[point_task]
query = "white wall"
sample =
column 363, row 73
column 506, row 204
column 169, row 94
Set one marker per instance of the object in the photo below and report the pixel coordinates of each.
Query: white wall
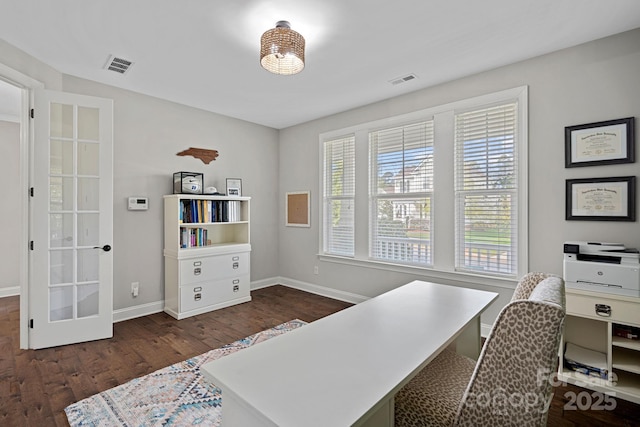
column 588, row 83
column 593, row 82
column 10, row 222
column 148, row 132
column 16, row 60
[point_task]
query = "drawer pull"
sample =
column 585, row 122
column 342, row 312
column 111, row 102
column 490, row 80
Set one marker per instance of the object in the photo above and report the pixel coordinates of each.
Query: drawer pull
column 236, row 288
column 197, row 263
column 236, row 265
column 235, row 258
column 197, row 297
column 236, row 281
column 603, row 310
column 198, row 289
column 197, row 271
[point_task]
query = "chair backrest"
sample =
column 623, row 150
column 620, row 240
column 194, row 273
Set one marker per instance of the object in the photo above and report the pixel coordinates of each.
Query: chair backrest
column 511, row 384
column 528, row 284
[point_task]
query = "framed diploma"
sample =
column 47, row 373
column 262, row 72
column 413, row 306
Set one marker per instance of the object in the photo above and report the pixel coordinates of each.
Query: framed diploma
column 601, row 199
column 601, row 143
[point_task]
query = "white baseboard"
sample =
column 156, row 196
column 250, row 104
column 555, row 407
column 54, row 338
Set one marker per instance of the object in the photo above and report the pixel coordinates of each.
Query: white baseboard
column 123, row 314
column 9, row 291
column 265, row 283
column 137, row 311
column 311, row 288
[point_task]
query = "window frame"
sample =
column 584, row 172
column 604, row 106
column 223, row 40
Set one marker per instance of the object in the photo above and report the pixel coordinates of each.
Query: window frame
column 327, row 199
column 461, row 194
column 404, row 247
column 443, row 224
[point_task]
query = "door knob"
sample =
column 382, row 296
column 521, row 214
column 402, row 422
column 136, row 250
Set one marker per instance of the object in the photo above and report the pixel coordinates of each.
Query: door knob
column 105, row 248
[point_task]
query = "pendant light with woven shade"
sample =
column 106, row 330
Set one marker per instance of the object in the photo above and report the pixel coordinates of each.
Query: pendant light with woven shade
column 282, row 50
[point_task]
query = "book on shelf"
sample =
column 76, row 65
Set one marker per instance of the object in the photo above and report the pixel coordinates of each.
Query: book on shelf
column 193, row 237
column 195, row 211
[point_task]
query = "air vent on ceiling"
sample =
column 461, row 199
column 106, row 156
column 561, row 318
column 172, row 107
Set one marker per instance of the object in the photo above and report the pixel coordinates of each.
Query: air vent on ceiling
column 403, row 79
column 119, row 65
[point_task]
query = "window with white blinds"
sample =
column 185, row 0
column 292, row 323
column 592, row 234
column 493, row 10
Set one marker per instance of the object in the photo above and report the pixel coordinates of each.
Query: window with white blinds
column 401, row 193
column 486, row 183
column 445, row 191
column 339, row 196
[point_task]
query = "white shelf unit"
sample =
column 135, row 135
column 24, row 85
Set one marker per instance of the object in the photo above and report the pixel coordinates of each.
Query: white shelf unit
column 207, row 260
column 587, row 328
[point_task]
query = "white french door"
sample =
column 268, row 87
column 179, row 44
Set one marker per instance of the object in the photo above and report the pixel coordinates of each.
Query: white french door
column 71, row 220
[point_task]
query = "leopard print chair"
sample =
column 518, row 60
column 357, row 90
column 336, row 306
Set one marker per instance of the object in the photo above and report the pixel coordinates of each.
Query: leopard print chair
column 510, row 384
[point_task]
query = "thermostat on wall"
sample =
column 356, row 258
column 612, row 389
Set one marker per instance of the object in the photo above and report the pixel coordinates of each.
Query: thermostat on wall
column 138, row 203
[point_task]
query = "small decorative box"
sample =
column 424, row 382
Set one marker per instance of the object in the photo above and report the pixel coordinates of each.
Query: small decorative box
column 188, row 183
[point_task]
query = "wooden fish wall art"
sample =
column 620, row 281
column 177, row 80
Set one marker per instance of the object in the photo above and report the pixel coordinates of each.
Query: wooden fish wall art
column 207, row 156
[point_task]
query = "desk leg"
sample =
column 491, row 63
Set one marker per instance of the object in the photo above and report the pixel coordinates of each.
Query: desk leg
column 236, row 413
column 382, row 417
column 469, row 342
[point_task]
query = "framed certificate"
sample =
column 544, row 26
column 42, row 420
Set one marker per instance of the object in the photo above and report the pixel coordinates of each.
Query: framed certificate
column 601, row 199
column 601, row 143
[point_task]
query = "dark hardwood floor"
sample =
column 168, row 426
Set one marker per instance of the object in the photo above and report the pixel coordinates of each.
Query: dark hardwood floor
column 36, row 385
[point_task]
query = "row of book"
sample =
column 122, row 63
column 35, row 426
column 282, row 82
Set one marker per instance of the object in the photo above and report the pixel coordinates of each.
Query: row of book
column 203, row 211
column 193, row 237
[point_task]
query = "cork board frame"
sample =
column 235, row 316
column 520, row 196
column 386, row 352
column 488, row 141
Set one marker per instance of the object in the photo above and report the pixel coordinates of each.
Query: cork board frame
column 298, row 209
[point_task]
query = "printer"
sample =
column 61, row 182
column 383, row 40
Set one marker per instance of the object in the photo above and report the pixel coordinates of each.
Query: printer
column 602, row 267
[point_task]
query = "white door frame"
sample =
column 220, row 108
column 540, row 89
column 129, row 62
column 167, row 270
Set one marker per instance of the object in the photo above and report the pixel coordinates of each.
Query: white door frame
column 27, row 84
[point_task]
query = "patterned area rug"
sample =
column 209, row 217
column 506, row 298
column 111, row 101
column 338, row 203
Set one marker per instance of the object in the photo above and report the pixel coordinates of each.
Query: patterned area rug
column 173, row 396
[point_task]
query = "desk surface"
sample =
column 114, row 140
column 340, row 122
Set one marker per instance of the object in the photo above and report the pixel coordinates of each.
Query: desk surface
column 335, row 370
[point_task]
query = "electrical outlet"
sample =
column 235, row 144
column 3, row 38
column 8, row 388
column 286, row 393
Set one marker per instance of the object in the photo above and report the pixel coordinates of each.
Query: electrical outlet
column 315, row 269
column 135, row 287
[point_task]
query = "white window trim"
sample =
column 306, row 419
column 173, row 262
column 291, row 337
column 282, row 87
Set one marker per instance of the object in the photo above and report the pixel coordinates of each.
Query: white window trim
column 444, row 265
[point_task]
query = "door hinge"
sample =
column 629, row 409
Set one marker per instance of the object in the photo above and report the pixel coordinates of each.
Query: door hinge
column 31, row 323
column 31, row 113
column 31, row 245
column 31, row 191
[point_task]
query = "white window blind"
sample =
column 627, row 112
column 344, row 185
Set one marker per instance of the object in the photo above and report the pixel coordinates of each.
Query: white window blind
column 401, row 193
column 339, row 196
column 486, row 171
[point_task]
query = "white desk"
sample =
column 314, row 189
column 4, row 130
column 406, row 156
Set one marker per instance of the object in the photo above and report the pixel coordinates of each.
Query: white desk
column 345, row 369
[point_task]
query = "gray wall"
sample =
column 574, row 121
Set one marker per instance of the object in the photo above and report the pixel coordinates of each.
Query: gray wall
column 148, row 132
column 588, row 83
column 9, row 221
column 593, row 82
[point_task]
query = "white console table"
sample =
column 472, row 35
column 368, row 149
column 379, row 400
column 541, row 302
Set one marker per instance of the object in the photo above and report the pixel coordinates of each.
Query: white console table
column 590, row 323
column 345, row 369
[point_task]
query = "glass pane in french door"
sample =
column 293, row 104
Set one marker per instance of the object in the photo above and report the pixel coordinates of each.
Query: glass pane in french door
column 73, row 212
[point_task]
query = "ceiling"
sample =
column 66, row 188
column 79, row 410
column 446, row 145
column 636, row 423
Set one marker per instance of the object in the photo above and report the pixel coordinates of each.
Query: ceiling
column 204, row 53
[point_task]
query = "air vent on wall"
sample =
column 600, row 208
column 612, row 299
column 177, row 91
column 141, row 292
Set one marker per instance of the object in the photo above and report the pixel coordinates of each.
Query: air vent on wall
column 403, row 79
column 119, row 65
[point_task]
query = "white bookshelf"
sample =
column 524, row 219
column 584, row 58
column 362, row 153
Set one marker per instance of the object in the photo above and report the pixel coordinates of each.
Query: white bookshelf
column 207, row 253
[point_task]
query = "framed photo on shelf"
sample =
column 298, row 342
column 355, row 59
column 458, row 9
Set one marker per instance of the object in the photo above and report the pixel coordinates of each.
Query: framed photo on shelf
column 234, row 187
column 601, row 199
column 297, row 209
column 602, row 143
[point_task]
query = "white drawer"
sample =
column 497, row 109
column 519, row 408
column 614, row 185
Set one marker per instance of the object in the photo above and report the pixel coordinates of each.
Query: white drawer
column 193, row 297
column 213, row 267
column 625, row 312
